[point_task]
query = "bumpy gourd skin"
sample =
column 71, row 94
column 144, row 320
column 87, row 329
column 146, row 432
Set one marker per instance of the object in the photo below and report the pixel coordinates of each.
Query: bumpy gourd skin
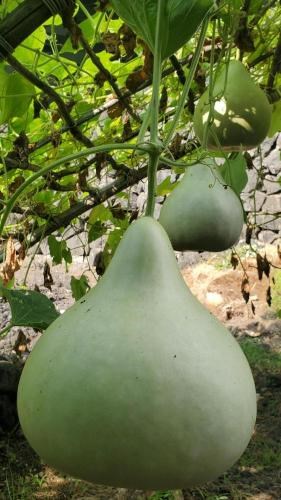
column 202, row 212
column 241, row 115
column 138, row 385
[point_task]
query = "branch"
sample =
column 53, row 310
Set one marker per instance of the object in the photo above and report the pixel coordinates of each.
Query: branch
column 31, row 77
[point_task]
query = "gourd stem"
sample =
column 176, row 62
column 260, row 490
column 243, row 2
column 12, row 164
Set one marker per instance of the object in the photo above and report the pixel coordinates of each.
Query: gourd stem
column 211, row 88
column 145, row 125
column 6, row 330
column 155, row 149
column 187, row 85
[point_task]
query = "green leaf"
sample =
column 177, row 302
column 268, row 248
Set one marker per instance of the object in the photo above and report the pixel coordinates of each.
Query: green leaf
column 79, row 287
column 59, row 250
column 182, row 20
column 96, row 230
column 16, row 94
column 275, row 125
column 30, row 308
column 234, row 172
column 166, row 187
column 29, row 49
column 100, row 213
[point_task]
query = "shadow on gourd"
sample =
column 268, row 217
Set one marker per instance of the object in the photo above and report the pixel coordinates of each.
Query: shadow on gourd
column 137, row 385
column 202, row 212
column 241, row 113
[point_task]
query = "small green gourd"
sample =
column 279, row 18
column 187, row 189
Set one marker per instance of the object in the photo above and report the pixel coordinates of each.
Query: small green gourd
column 240, row 116
column 202, row 212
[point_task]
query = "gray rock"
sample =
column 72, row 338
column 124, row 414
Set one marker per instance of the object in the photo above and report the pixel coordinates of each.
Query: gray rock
column 267, row 236
column 273, row 161
column 271, row 185
column 273, row 204
column 268, row 144
column 253, row 202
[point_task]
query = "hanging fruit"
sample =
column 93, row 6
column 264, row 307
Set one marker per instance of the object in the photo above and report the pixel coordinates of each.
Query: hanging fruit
column 202, row 212
column 138, row 385
column 240, row 116
column 182, row 19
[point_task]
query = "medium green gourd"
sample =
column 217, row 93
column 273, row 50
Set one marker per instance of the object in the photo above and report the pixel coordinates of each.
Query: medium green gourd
column 202, row 212
column 138, row 385
column 241, row 113
column 182, row 18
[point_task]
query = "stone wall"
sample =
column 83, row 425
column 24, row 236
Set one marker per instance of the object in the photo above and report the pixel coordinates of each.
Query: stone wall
column 262, row 194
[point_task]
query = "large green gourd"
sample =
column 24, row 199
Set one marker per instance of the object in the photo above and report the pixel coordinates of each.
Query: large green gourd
column 241, row 114
column 202, row 212
column 137, row 385
column 181, row 17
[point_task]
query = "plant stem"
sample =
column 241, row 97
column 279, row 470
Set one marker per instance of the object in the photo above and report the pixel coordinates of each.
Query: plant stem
column 155, row 151
column 6, row 330
column 188, row 82
column 44, row 170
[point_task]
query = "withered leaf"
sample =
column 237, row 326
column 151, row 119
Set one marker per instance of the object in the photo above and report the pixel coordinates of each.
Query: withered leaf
column 234, row 261
column 268, row 296
column 249, row 232
column 266, row 266
column 12, row 263
column 263, row 266
column 176, row 146
column 253, row 307
column 21, row 343
column 100, row 78
column 259, row 260
column 112, row 42
column 127, row 129
column 48, row 278
column 128, row 39
column 245, row 289
column 279, row 251
column 163, row 100
column 136, row 79
column 115, row 110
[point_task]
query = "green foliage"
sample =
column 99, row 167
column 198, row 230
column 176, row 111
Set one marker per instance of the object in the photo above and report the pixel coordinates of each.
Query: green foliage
column 234, row 172
column 180, row 20
column 79, row 286
column 260, row 358
column 59, row 250
column 30, row 308
column 15, row 94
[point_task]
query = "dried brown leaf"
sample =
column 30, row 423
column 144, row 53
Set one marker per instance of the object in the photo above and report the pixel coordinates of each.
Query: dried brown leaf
column 48, row 278
column 268, row 296
column 234, row 261
column 245, row 289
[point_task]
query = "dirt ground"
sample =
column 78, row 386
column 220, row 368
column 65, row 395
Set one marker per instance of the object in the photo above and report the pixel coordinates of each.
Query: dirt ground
column 257, row 476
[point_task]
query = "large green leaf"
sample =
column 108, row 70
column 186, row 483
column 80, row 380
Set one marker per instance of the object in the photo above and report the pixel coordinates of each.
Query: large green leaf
column 30, row 308
column 59, row 250
column 79, row 286
column 182, row 20
column 15, row 94
column 234, row 172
